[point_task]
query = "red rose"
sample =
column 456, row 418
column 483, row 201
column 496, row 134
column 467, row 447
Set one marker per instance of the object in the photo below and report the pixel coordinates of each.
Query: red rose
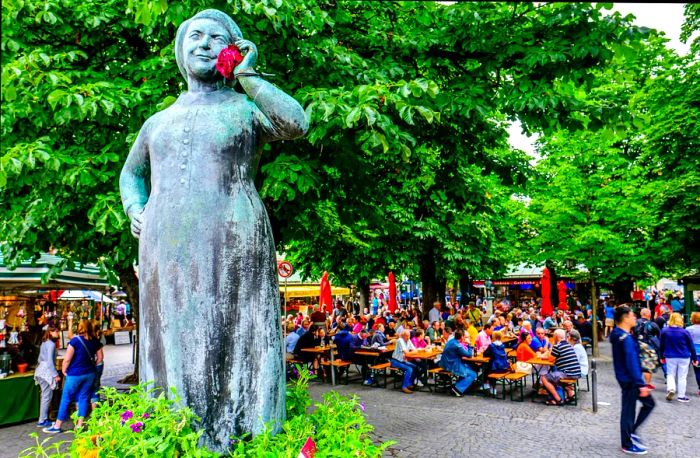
column 229, row 58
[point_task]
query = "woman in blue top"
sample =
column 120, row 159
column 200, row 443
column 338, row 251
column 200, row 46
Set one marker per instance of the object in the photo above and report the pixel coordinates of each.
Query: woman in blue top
column 609, row 319
column 79, row 366
column 677, row 352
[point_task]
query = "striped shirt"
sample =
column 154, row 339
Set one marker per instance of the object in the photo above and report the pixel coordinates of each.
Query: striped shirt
column 566, row 360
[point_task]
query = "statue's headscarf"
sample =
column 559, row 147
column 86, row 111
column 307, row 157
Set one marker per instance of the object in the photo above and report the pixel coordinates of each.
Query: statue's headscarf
column 215, row 15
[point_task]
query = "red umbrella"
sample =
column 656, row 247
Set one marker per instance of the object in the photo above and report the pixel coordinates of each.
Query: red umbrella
column 326, row 300
column 546, row 294
column 392, row 293
column 561, row 286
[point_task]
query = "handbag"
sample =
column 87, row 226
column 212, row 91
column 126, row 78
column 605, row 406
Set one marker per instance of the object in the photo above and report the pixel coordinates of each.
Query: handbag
column 648, row 357
column 90, row 355
column 525, row 368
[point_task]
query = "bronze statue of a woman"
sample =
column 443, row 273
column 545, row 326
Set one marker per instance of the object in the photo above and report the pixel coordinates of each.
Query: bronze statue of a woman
column 209, row 298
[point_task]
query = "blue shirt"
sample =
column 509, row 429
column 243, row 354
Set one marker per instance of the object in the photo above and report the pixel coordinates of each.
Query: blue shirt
column 536, row 343
column 291, row 341
column 677, row 343
column 82, row 362
column 610, row 312
column 625, row 350
column 548, row 322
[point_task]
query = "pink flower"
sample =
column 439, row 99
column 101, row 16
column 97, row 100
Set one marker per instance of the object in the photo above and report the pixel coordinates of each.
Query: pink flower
column 146, row 415
column 228, row 60
column 126, row 415
column 363, row 407
column 136, row 427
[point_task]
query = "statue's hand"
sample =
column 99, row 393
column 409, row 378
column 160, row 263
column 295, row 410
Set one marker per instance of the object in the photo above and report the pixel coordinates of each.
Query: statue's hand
column 250, row 56
column 136, row 217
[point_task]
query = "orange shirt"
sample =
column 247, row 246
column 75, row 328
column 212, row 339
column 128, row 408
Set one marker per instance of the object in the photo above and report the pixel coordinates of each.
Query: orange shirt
column 524, row 352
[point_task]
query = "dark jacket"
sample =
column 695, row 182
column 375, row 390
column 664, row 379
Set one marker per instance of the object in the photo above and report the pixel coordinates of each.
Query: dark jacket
column 625, row 350
column 307, row 340
column 379, row 338
column 677, row 343
column 499, row 360
column 343, row 340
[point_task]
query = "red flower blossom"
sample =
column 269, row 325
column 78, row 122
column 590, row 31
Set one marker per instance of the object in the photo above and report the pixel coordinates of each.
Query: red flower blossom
column 228, row 60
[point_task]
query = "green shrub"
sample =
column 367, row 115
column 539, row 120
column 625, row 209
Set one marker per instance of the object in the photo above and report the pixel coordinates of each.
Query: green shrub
column 145, row 422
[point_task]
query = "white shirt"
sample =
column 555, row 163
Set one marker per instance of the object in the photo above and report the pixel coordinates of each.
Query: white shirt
column 582, row 358
column 433, row 315
column 401, row 347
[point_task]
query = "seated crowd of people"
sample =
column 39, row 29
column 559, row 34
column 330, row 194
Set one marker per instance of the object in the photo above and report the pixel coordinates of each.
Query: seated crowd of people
column 462, row 333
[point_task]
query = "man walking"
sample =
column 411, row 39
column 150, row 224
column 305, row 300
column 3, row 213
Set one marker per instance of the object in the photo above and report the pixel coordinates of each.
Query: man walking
column 628, row 371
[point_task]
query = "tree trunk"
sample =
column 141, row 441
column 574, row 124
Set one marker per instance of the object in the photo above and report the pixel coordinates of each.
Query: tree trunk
column 130, row 283
column 465, row 287
column 430, row 285
column 363, row 289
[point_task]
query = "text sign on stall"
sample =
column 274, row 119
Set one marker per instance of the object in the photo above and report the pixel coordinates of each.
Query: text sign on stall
column 121, row 338
column 285, row 269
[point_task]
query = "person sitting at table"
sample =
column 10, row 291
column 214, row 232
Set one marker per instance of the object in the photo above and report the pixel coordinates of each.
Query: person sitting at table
column 483, row 339
column 307, row 340
column 379, row 339
column 447, row 334
column 568, row 326
column 290, row 342
column 527, row 325
column 540, row 343
column 343, row 341
column 584, row 328
column 471, row 333
column 305, row 325
column 574, row 338
column 566, row 366
column 452, row 361
column 548, row 323
column 399, row 361
column 360, row 341
column 433, row 331
column 499, row 361
column 524, row 352
column 418, row 339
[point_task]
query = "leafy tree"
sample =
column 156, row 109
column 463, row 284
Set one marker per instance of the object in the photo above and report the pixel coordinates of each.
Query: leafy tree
column 406, row 166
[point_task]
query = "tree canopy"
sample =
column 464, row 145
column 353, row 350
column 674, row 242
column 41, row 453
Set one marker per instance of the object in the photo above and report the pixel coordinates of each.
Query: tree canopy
column 406, row 166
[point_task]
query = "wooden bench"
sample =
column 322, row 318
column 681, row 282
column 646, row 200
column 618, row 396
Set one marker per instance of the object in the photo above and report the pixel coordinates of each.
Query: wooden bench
column 338, row 366
column 380, row 370
column 442, row 378
column 517, row 380
column 499, row 379
column 574, row 384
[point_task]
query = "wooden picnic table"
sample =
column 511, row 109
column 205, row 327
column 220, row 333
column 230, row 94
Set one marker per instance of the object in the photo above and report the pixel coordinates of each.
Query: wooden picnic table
column 537, row 364
column 318, row 350
column 423, row 353
column 479, row 359
column 541, row 362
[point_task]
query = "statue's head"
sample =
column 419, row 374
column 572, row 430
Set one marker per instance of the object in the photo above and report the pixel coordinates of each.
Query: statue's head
column 199, row 41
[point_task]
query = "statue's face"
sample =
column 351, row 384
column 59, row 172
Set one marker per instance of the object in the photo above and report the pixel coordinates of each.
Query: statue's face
column 203, row 42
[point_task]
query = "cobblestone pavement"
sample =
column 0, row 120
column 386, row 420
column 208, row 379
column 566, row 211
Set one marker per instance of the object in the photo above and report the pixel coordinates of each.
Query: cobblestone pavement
column 440, row 425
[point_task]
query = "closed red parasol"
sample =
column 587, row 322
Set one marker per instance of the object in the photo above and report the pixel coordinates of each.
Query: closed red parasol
column 392, row 293
column 326, row 299
column 546, row 294
column 561, row 286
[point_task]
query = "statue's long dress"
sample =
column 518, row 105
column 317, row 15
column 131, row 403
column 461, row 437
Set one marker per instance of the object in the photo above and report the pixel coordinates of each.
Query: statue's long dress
column 209, row 297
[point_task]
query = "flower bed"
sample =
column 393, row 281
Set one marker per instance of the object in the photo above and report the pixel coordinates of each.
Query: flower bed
column 145, row 422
